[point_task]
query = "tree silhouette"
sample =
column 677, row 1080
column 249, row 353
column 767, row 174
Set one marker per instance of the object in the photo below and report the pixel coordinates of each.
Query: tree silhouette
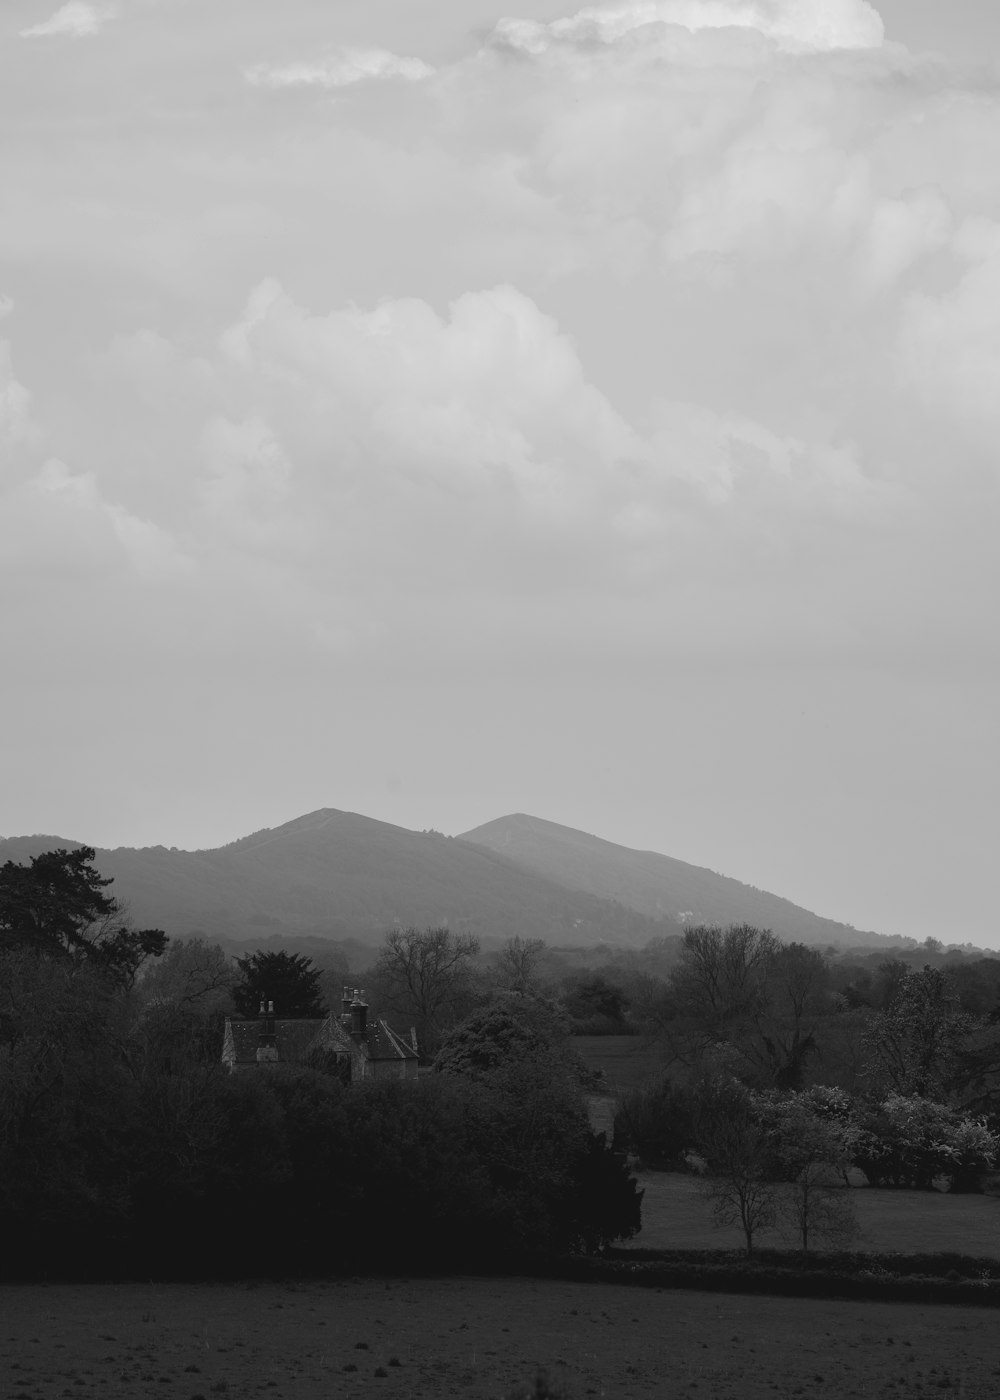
column 287, row 979
column 57, row 906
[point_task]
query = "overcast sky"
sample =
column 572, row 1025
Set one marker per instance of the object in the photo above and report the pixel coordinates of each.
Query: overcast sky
column 433, row 413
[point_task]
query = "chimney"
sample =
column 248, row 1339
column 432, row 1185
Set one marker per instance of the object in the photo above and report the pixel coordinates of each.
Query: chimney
column 267, row 1041
column 359, row 1014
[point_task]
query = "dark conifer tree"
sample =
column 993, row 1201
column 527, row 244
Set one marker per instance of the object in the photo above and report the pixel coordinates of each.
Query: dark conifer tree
column 287, row 979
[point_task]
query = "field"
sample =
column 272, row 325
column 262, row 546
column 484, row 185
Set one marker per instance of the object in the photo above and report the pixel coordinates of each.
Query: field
column 676, row 1216
column 628, row 1061
column 479, row 1339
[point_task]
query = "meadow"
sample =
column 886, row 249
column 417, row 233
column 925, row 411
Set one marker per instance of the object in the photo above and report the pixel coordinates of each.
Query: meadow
column 479, row 1339
column 675, row 1215
column 487, row 1338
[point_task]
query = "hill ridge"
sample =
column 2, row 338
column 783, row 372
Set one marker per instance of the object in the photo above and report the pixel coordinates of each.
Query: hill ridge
column 652, row 883
column 337, row 874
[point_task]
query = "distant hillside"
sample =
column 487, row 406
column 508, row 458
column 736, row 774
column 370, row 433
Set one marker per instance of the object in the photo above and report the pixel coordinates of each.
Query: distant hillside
column 338, row 875
column 651, row 884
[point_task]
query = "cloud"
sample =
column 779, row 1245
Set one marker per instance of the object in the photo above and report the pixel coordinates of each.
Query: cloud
column 16, row 424
column 790, row 24
column 342, row 69
column 704, row 293
column 948, row 344
column 78, row 19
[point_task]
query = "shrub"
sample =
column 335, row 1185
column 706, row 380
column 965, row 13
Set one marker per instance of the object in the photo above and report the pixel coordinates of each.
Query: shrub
column 657, row 1124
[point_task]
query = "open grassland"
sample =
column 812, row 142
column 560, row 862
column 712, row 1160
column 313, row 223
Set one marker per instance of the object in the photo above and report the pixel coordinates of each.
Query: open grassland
column 675, row 1215
column 479, row 1339
column 628, row 1061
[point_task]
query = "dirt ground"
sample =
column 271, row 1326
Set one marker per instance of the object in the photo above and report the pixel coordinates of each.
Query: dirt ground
column 478, row 1338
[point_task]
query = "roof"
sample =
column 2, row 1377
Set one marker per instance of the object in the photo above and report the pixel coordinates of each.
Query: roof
column 384, row 1044
column 294, row 1039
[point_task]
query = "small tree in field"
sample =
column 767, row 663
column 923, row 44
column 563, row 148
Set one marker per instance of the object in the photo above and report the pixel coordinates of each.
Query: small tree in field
column 812, row 1146
column 737, row 1145
column 816, row 1206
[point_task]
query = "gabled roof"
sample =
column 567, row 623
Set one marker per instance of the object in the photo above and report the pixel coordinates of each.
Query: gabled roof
column 294, row 1039
column 382, row 1043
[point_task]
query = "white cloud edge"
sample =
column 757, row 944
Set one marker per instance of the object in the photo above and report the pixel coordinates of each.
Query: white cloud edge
column 77, row 19
column 343, row 68
column 791, row 24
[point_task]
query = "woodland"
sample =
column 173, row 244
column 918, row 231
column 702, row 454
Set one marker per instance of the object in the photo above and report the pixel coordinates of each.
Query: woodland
column 781, row 1076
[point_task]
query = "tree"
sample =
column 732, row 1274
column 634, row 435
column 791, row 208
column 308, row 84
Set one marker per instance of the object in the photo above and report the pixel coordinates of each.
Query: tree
column 818, row 1206
column 595, row 1005
column 191, row 973
column 422, row 977
column 56, row 906
column 287, row 979
column 910, row 1141
column 510, row 1034
column 517, row 963
column 740, row 987
column 916, row 1043
column 737, row 1146
column 181, row 1004
column 786, row 1021
column 812, row 1145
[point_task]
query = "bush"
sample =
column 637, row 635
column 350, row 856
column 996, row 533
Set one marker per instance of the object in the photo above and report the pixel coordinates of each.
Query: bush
column 909, row 1141
column 657, row 1125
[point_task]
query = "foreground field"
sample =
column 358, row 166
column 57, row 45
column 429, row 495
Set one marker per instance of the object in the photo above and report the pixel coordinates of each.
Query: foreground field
column 675, row 1215
column 478, row 1339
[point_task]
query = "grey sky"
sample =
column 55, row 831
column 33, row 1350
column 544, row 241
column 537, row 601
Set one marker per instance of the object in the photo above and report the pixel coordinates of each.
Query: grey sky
column 436, row 414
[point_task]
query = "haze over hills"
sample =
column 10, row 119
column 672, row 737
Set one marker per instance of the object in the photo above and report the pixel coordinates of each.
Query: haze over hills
column 655, row 885
column 339, row 875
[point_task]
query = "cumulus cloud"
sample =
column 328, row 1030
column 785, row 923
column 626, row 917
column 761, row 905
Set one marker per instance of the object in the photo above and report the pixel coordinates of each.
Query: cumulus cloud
column 341, row 69
column 78, row 19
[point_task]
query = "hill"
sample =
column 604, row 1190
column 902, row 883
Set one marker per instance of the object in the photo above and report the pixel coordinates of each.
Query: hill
column 342, row 876
column 654, row 885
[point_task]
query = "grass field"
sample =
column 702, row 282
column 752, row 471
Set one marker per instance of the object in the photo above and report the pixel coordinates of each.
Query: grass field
column 675, row 1215
column 478, row 1339
column 627, row 1060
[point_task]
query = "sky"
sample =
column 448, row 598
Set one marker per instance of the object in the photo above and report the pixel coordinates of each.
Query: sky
column 435, row 411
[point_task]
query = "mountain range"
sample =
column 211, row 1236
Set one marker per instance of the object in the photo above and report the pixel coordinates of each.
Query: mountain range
column 338, row 875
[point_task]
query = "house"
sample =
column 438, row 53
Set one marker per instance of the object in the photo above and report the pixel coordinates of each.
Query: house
column 351, row 1044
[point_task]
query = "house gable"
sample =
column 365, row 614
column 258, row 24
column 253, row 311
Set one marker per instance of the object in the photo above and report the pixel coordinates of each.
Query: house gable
column 352, row 1044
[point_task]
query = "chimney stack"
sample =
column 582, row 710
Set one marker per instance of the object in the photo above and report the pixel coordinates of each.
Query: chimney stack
column 359, row 1014
column 267, row 1041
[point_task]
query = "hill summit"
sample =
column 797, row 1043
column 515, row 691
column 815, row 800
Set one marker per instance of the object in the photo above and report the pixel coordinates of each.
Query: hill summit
column 657, row 886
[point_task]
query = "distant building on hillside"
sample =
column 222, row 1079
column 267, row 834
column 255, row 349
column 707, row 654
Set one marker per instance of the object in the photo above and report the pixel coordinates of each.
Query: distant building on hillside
column 350, row 1044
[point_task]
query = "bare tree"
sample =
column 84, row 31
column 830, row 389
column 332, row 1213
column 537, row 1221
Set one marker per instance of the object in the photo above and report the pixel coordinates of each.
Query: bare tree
column 786, row 1020
column 192, row 972
column 818, row 1206
column 737, row 1146
column 517, row 964
column 423, row 976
